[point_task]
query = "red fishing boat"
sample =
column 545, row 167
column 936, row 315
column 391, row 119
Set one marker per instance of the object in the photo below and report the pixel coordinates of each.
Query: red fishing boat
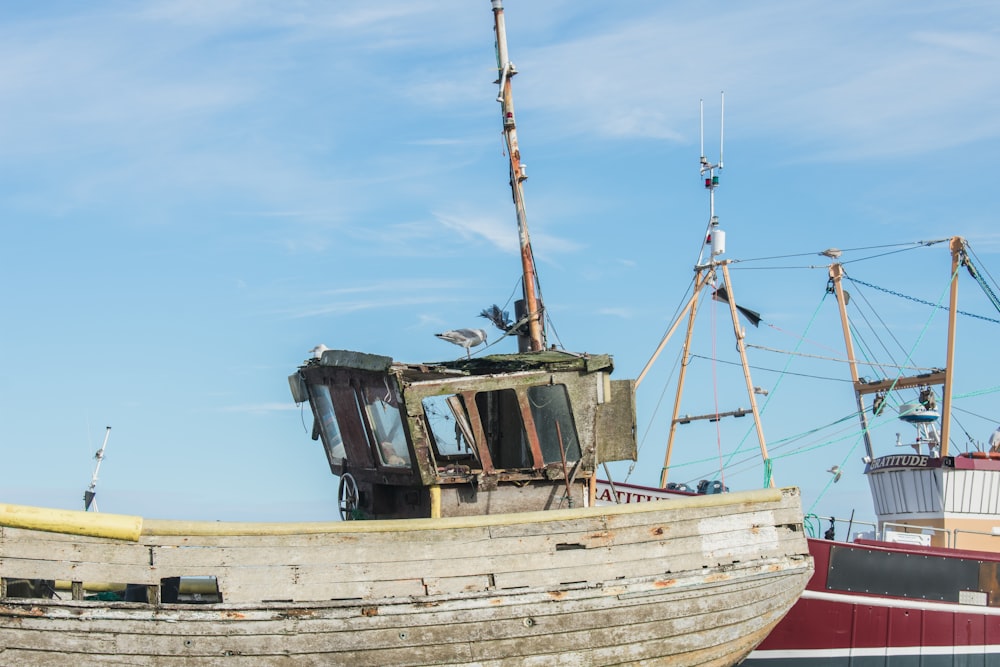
column 922, row 588
column 922, row 585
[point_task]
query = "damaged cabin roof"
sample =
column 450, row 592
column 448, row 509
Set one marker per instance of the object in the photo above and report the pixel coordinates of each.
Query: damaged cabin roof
column 548, row 360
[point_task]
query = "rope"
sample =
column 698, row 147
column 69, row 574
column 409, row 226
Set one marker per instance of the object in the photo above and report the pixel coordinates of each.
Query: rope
column 837, row 359
column 909, row 355
column 927, row 303
column 777, row 384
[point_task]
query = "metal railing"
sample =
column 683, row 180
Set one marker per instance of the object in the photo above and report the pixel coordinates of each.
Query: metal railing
column 920, row 530
column 824, row 522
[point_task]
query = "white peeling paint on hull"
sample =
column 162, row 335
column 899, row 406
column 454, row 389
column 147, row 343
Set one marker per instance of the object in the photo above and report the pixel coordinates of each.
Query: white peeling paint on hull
column 591, row 587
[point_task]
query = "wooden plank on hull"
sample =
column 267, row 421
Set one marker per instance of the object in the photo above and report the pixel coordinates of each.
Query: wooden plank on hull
column 544, row 634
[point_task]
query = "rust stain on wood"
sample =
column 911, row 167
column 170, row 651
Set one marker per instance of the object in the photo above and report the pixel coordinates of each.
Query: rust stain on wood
column 369, row 611
column 17, row 612
column 294, row 613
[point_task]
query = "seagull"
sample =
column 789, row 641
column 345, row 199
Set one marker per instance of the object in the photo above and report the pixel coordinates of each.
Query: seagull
column 317, row 352
column 836, row 472
column 465, row 337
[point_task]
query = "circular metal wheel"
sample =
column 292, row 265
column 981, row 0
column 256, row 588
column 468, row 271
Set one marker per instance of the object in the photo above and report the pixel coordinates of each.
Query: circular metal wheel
column 349, row 496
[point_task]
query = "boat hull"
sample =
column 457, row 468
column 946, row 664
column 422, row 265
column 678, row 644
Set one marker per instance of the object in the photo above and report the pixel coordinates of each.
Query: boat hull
column 693, row 582
column 833, row 627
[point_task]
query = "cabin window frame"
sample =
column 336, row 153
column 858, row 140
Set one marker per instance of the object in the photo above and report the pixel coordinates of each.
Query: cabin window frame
column 369, row 394
column 529, row 409
column 325, row 420
column 450, row 408
column 556, row 405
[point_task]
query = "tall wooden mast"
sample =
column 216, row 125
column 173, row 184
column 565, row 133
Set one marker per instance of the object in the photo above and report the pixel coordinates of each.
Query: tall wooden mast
column 836, row 281
column 506, row 69
column 936, row 377
column 957, row 246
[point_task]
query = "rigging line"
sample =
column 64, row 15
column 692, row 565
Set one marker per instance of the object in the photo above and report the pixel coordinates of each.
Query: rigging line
column 520, row 279
column 977, row 274
column 715, row 387
column 921, row 301
column 796, row 337
column 767, row 399
column 751, row 459
column 865, row 347
column 915, row 244
column 981, row 392
column 652, row 418
column 839, row 360
column 774, row 370
column 853, row 434
column 970, row 412
column 869, row 427
column 733, row 267
column 979, row 264
column 879, row 256
column 886, row 327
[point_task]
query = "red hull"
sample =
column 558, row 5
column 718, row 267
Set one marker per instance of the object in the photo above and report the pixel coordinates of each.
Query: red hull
column 890, row 618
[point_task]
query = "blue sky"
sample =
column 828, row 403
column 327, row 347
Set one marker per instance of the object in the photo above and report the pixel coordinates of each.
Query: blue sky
column 195, row 194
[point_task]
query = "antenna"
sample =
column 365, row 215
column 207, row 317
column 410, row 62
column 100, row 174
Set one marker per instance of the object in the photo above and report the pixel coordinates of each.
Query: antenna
column 722, row 125
column 714, row 237
column 91, row 493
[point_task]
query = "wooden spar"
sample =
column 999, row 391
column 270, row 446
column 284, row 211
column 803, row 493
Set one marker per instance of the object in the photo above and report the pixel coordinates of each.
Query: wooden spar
column 91, row 493
column 943, row 378
column 699, row 283
column 72, row 522
column 742, row 348
column 507, row 70
column 703, row 278
column 957, row 246
column 836, row 277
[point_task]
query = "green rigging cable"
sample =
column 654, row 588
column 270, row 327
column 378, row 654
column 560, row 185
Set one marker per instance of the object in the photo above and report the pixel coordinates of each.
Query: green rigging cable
column 906, row 361
column 781, row 375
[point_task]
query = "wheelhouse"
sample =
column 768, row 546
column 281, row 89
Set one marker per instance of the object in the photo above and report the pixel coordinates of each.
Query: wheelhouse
column 505, row 433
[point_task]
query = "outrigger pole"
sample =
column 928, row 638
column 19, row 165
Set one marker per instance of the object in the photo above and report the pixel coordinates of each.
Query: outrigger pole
column 506, row 69
column 706, row 276
column 91, row 493
column 937, row 377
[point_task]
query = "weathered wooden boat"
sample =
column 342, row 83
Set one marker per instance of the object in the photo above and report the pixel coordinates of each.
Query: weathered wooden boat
column 471, row 534
column 922, row 588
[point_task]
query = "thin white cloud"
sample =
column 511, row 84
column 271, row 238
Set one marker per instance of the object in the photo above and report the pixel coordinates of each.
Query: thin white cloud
column 494, row 231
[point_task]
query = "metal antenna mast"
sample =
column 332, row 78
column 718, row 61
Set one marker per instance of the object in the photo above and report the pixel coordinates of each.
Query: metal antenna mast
column 91, row 493
column 706, row 277
column 710, row 173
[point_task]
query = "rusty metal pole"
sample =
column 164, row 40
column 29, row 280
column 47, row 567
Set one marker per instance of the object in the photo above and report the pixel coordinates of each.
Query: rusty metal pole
column 506, row 69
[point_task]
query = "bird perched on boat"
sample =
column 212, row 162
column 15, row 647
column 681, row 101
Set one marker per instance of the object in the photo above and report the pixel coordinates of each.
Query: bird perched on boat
column 317, row 352
column 466, row 338
column 499, row 318
column 836, row 472
column 995, row 440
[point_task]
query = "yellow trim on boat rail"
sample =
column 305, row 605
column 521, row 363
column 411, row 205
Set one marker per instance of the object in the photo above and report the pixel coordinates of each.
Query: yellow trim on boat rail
column 131, row 528
column 72, row 522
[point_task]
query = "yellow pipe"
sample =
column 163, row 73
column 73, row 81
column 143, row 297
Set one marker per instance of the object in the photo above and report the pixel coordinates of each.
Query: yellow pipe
column 435, row 492
column 189, row 586
column 93, row 524
column 72, row 522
